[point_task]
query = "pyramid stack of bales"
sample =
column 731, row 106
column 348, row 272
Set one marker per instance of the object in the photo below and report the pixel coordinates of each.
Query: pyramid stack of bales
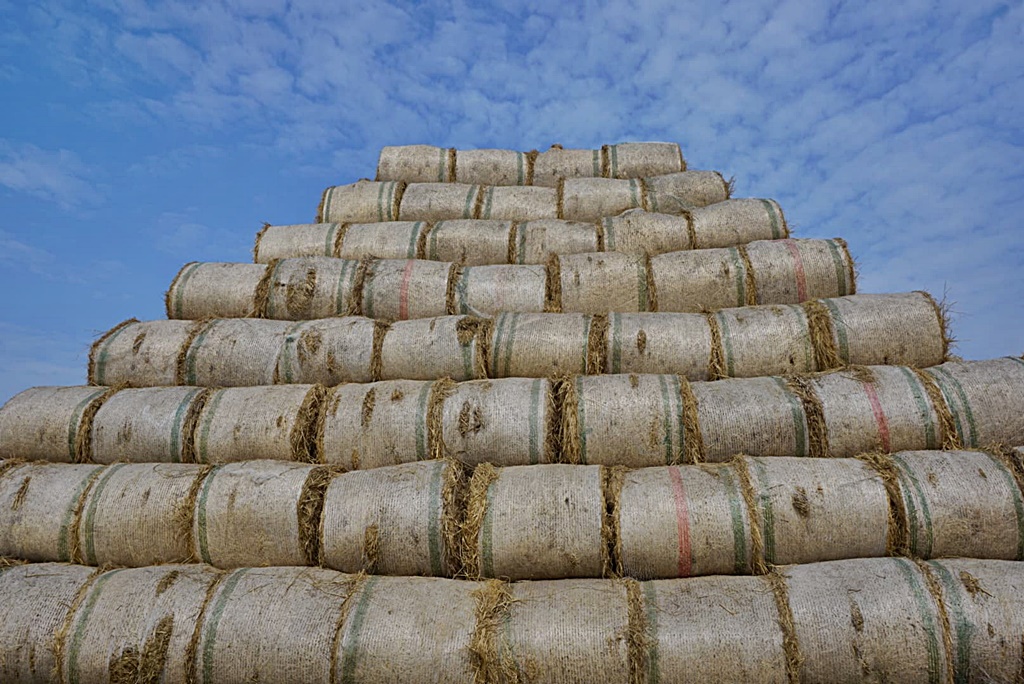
column 502, row 417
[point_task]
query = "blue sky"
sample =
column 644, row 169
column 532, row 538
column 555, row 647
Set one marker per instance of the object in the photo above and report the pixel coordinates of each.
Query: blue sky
column 136, row 136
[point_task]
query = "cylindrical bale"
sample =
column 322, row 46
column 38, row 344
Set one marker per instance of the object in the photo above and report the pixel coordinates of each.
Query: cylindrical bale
column 566, row 631
column 506, row 422
column 984, row 601
column 150, row 424
column 513, row 203
column 682, row 522
column 888, row 329
column 376, row 424
column 272, row 625
column 714, row 629
column 755, row 416
column 215, row 290
column 49, row 423
column 492, row 167
column 329, row 351
column 387, row 240
column 591, row 199
column 541, row 345
column 361, row 202
column 390, row 521
column 396, row 290
column 310, row 287
column 701, row 280
column 301, row 240
column 536, row 241
column 817, row 509
column 792, row 271
column 986, row 398
column 867, row 615
column 415, row 630
column 632, row 420
column 556, row 163
column 675, row 193
column 642, row 159
column 737, row 222
column 429, row 348
column 745, row 333
column 438, row 201
column 138, row 514
column 489, row 290
column 136, row 625
column 248, row 514
column 603, row 282
column 676, row 343
column 642, row 232
column 537, row 522
column 37, row 599
column 263, row 422
column 235, row 352
column 140, row 354
column 415, row 164
column 960, row 503
column 469, row 242
column 881, row 408
column 41, row 508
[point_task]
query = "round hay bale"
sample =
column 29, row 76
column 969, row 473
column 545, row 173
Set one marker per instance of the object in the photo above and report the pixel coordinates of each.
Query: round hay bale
column 677, row 343
column 887, row 329
column 142, row 354
column 960, row 503
column 756, row 416
column 642, row 159
column 361, row 202
column 505, row 422
column 49, row 423
column 642, row 232
column 744, row 332
column 536, row 241
column 557, row 163
column 389, row 521
column 302, row 240
column 513, row 203
column 469, row 242
column 399, row 290
column 430, row 348
column 793, row 271
column 540, row 345
column 701, row 280
column 873, row 615
column 492, row 167
column 387, row 240
column 37, row 600
column 675, row 193
column 151, row 424
column 415, row 164
column 489, row 290
column 527, row 528
column 41, row 509
column 603, row 282
column 329, row 351
column 438, row 201
column 817, row 509
column 235, row 352
column 215, row 290
column 738, row 639
column 590, row 199
column 986, row 399
column 310, row 287
column 682, row 522
column 737, row 222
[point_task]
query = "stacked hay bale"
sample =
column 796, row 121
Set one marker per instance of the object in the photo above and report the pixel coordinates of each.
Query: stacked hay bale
column 494, row 397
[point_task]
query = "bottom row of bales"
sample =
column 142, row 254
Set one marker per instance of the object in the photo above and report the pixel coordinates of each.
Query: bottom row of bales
column 843, row 621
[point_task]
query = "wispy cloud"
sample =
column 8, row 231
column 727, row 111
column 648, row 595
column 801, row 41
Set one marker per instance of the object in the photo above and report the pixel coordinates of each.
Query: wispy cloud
column 54, row 175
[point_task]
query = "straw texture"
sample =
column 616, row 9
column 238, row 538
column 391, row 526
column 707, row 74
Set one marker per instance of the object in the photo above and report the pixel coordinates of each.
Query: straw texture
column 416, row 164
column 45, row 422
column 141, row 354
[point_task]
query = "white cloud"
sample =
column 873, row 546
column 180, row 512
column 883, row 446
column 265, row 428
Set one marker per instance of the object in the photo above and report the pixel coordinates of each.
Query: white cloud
column 53, row 175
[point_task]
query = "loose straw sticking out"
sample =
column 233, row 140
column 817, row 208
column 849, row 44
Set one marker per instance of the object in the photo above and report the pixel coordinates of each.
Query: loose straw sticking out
column 483, row 477
column 261, row 295
column 567, row 398
column 560, row 203
column 451, row 288
column 606, row 161
column 851, row 266
column 898, row 537
column 694, row 450
column 303, row 437
column 453, row 161
column 371, row 548
column 380, row 331
column 513, row 236
column 935, row 589
column 355, row 302
column 949, row 438
column 190, row 424
column 339, row 240
column 553, row 285
column 758, row 566
column 169, row 295
column 814, row 412
column 638, row 640
column 439, row 391
column 327, row 408
column 184, row 511
column 943, row 310
column 396, row 203
column 320, row 207
column 1006, row 455
column 132, row 667
column 9, row 463
column 822, row 334
column 652, row 289
column 599, row 231
column 192, row 650
column 790, row 642
column 94, row 351
column 612, row 479
column 310, row 512
column 478, row 204
column 83, row 437
column 74, row 551
column 597, row 345
column 470, row 329
column 750, row 277
column 729, row 185
column 644, row 194
column 716, row 364
column 691, row 231
column 256, row 245
column 60, row 637
column 454, row 491
column 181, row 363
column 552, row 432
column 490, row 657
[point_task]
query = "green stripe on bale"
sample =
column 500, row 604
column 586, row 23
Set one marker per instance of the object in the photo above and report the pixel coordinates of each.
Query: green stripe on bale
column 64, row 534
column 938, row 371
column 421, row 422
column 210, row 633
column 103, row 356
column 919, row 547
column 739, row 537
column 935, row 661
column 76, row 419
column 89, row 522
column 773, row 217
column 839, row 325
column 350, row 647
column 203, row 539
column 767, row 511
column 434, row 520
column 75, row 648
column 1018, row 503
column 930, row 433
column 796, row 409
column 964, row 628
column 487, row 534
column 179, row 419
column 653, row 656
column 837, row 261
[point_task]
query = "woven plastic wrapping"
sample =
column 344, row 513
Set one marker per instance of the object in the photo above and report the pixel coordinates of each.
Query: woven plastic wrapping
column 700, row 280
column 793, row 271
column 490, row 290
column 518, row 204
column 361, row 202
column 659, row 343
column 864, row 332
column 429, row 348
column 599, row 283
column 469, row 242
column 377, row 424
column 590, row 199
column 744, row 332
column 151, row 424
column 683, row 522
column 387, row 240
column 505, row 422
column 986, row 398
column 235, row 352
column 713, row 629
column 137, row 625
column 438, row 201
column 329, row 351
column 491, row 167
column 642, row 159
column 388, row 521
column 537, row 240
column 537, row 522
column 737, row 222
column 37, row 599
column 215, row 290
column 140, row 354
column 960, row 503
column 675, row 193
column 539, row 345
column 44, row 422
column 415, row 164
column 300, row 240
column 812, row 510
column 869, row 615
column 402, row 289
column 557, row 163
column 41, row 510
column 311, row 287
column 641, row 232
